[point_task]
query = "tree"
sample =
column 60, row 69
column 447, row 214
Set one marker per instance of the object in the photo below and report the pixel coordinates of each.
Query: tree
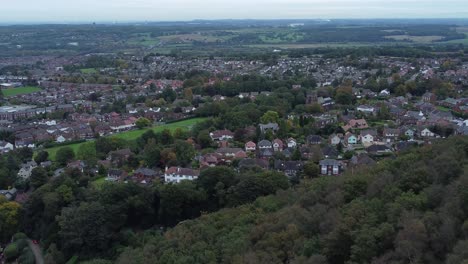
column 24, row 154
column 311, row 169
column 53, row 255
column 41, row 156
column 165, row 137
column 142, row 123
column 93, row 234
column 87, row 153
column 216, row 181
column 9, row 218
column 204, row 139
column 152, row 154
column 184, row 152
column 180, row 201
column 270, row 117
column 168, row 157
column 344, row 95
column 39, row 177
column 64, row 155
column 296, row 155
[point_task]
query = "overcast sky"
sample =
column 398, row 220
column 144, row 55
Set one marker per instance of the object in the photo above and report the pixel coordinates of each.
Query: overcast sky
column 163, row 10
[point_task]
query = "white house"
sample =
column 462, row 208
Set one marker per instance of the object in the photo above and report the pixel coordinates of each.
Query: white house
column 368, row 136
column 26, row 170
column 292, row 143
column 61, row 139
column 384, row 92
column 366, row 109
column 177, row 174
column 335, row 140
column 427, row 133
column 6, row 146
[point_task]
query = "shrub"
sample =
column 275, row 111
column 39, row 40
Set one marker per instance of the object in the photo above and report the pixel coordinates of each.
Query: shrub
column 11, row 251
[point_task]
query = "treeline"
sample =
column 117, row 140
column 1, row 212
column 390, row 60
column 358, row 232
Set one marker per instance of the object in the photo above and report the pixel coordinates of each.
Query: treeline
column 74, row 218
column 412, row 209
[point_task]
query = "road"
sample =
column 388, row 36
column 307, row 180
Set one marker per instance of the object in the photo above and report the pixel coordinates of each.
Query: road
column 37, row 252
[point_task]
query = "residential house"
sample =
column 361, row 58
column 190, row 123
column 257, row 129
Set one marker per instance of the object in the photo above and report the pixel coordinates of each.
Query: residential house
column 9, row 194
column 221, row 135
column 429, row 97
column 391, row 134
column 292, row 143
column 366, row 109
column 330, row 152
column 265, row 144
column 314, row 140
column 209, row 160
column 408, row 132
column 26, row 170
column 384, row 93
column 427, row 133
column 335, row 139
column 250, row 146
column 368, row 136
column 116, row 175
column 278, row 145
column 361, row 160
column 273, row 127
column 350, row 139
column 246, row 164
column 356, row 124
column 6, row 146
column 330, row 167
column 290, row 168
column 177, row 174
column 228, row 154
column 119, row 157
column 378, row 149
column 145, row 176
column 77, row 164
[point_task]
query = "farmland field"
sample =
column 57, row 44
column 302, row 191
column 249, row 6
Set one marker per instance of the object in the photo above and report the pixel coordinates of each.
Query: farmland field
column 416, row 39
column 20, row 90
column 134, row 134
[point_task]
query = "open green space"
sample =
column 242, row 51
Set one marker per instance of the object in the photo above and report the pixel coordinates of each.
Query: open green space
column 97, row 183
column 20, row 90
column 443, row 109
column 134, row 134
column 88, row 70
column 53, row 151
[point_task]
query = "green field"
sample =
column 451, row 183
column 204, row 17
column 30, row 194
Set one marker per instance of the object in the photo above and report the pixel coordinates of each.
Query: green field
column 134, row 134
column 53, row 151
column 88, row 71
column 20, row 90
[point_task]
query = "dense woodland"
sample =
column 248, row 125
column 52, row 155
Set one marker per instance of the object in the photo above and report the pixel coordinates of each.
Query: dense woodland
column 408, row 210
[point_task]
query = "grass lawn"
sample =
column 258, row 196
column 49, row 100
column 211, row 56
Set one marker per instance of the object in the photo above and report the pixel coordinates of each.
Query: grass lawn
column 20, row 90
column 88, row 71
column 443, row 109
column 99, row 182
column 53, row 151
column 134, row 134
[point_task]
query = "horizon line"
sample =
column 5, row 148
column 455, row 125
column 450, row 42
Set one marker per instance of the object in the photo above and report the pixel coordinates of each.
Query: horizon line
column 77, row 22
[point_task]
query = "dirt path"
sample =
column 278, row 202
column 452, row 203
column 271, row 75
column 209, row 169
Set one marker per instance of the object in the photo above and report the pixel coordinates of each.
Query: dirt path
column 37, row 252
